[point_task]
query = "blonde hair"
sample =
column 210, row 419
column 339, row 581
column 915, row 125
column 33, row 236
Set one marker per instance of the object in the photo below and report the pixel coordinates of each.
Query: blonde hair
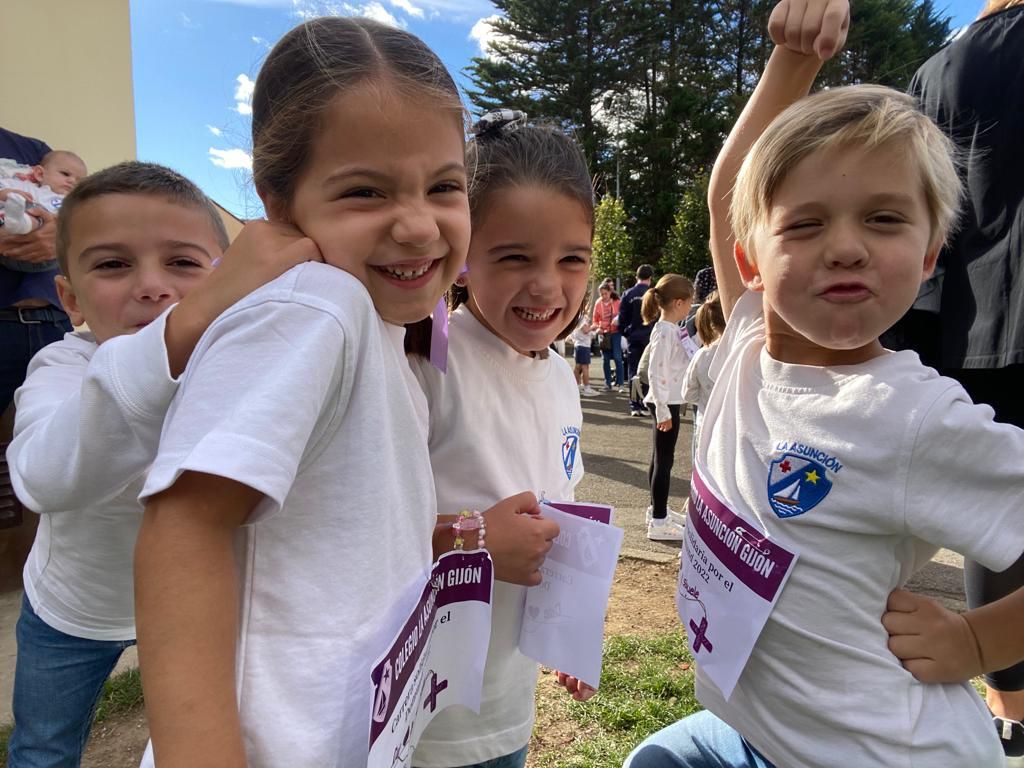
column 868, row 116
column 995, row 6
column 669, row 289
column 710, row 320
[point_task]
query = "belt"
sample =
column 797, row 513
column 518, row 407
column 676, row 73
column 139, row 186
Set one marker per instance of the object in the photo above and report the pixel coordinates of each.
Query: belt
column 32, row 315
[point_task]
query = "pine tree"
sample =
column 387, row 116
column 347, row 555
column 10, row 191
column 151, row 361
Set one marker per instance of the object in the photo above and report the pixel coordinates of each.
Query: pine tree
column 613, row 246
column 686, row 251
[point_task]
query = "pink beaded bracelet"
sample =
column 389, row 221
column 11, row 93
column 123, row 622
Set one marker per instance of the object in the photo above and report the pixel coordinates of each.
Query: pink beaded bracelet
column 470, row 521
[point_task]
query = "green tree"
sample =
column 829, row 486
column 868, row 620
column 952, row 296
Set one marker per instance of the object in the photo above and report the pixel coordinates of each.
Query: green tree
column 686, row 250
column 613, row 246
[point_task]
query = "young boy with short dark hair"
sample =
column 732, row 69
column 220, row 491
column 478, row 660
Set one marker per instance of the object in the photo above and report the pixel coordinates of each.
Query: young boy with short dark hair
column 132, row 241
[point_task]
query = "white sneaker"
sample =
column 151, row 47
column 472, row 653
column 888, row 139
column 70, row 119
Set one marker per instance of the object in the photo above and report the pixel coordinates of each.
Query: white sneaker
column 664, row 530
column 675, row 517
column 588, row 391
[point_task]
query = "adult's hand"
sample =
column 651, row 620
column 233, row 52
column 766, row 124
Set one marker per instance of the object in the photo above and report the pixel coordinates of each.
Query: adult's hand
column 38, row 245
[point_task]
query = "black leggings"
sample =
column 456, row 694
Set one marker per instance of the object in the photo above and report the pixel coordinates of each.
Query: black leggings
column 999, row 388
column 663, row 455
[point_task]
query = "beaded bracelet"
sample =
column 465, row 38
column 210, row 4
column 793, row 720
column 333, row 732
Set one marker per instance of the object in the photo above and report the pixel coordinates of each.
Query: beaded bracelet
column 470, row 521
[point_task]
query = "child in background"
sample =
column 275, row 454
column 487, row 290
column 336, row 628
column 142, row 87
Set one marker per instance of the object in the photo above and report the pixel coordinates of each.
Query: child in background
column 24, row 188
column 131, row 241
column 581, row 339
column 667, row 303
column 709, row 324
column 860, row 461
column 290, row 509
column 506, row 417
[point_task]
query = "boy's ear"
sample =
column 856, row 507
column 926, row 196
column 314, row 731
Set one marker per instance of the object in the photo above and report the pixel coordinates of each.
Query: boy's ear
column 749, row 273
column 68, row 297
column 931, row 259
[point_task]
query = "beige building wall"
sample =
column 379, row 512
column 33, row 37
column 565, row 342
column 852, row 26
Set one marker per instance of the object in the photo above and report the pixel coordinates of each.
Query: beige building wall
column 71, row 62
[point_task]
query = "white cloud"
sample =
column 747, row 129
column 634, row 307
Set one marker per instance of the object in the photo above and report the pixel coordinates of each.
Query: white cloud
column 231, row 158
column 214, row 130
column 413, row 10
column 375, row 11
column 260, row 41
column 243, row 94
column 186, row 21
column 484, row 32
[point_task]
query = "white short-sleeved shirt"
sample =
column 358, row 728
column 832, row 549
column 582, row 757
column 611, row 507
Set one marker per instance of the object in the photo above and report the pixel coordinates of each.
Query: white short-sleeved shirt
column 303, row 392
column 500, row 423
column 87, row 426
column 865, row 470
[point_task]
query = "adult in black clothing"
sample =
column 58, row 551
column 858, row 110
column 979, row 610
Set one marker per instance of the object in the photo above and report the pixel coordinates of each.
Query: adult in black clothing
column 30, row 312
column 974, row 90
column 632, row 327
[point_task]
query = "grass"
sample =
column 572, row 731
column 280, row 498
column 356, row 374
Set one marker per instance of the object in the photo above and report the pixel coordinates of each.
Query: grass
column 646, row 684
column 121, row 693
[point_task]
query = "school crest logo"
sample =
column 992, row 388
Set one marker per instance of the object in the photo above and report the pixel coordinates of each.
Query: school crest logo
column 570, row 446
column 796, row 484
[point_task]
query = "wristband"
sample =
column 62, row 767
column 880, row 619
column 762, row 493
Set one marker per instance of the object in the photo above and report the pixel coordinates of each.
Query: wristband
column 470, row 521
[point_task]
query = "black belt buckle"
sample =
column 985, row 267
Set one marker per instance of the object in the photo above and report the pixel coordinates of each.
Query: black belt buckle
column 24, row 320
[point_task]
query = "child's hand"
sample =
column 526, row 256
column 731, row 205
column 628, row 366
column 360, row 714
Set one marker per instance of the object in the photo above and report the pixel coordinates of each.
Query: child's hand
column 262, row 251
column 934, row 644
column 519, row 539
column 579, row 690
column 810, row 27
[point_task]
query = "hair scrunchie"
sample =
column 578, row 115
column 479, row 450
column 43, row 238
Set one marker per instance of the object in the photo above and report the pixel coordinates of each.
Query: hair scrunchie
column 497, row 123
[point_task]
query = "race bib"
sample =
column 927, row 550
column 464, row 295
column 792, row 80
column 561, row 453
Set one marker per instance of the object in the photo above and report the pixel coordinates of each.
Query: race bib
column 729, row 582
column 436, row 659
column 689, row 343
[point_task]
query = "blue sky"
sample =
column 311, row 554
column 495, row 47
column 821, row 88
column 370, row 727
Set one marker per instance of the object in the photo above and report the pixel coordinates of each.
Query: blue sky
column 194, row 62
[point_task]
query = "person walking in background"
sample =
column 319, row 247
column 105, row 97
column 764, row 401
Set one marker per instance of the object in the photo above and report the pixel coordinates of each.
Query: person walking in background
column 974, row 90
column 606, row 321
column 634, row 331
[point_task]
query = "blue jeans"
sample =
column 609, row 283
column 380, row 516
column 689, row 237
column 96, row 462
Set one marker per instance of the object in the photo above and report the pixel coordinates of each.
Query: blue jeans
column 615, row 353
column 698, row 741
column 514, row 760
column 20, row 341
column 58, row 680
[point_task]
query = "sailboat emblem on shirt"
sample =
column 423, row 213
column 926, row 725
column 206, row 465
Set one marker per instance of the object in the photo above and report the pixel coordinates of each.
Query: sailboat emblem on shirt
column 796, row 485
column 570, row 445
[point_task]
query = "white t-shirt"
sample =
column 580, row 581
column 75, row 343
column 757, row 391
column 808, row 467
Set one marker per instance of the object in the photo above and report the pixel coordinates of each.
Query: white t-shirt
column 302, row 392
column 697, row 384
column 667, row 368
column 87, row 426
column 581, row 338
column 500, row 423
column 891, row 461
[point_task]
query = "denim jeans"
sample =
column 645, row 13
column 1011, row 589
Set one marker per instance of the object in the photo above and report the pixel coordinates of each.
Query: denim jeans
column 19, row 342
column 514, row 760
column 615, row 353
column 58, row 680
column 698, row 741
